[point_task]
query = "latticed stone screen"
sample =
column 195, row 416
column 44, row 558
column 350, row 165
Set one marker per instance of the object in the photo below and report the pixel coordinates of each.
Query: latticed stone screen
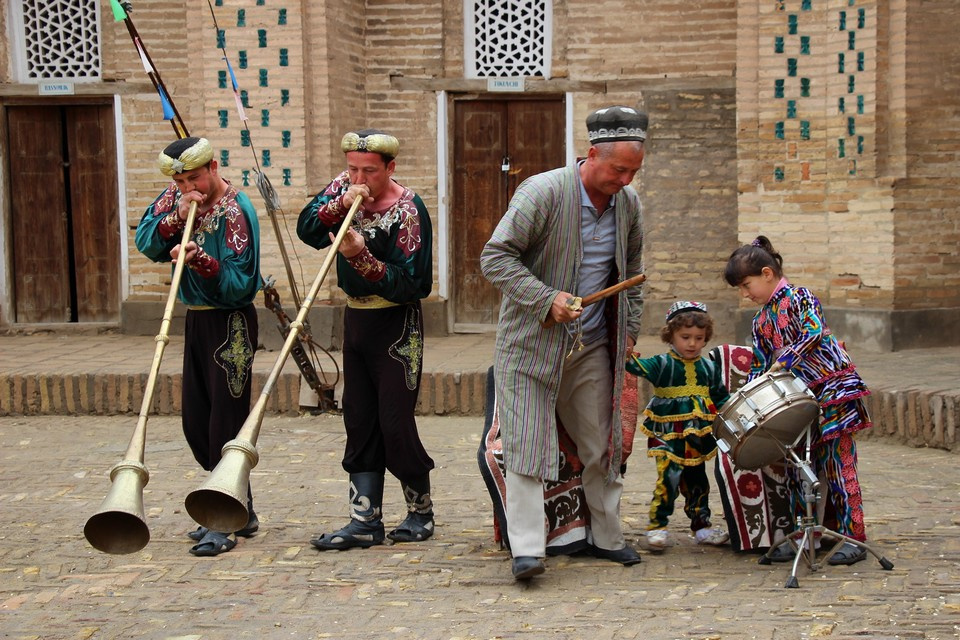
column 61, row 40
column 507, row 38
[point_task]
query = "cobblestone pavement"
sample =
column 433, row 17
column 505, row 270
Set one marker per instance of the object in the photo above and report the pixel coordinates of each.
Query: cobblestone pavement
column 54, row 585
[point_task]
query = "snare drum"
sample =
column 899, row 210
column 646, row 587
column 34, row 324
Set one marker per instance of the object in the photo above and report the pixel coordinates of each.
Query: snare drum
column 766, row 416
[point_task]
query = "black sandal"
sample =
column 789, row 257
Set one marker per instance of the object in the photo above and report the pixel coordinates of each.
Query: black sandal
column 355, row 534
column 848, row 554
column 213, row 544
column 198, row 534
column 417, row 527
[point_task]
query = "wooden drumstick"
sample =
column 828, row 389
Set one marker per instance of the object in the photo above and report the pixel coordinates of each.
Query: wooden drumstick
column 600, row 295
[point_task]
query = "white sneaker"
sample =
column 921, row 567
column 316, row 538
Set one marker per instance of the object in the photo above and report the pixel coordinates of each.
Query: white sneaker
column 658, row 539
column 711, row 536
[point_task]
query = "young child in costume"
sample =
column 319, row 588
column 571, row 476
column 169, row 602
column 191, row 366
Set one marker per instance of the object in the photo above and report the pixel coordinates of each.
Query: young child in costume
column 789, row 333
column 688, row 390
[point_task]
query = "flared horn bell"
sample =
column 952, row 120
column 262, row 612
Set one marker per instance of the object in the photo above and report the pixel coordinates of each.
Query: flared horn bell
column 220, row 503
column 119, row 526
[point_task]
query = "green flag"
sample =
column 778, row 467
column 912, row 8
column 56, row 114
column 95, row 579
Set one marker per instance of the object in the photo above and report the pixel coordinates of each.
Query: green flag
column 119, row 15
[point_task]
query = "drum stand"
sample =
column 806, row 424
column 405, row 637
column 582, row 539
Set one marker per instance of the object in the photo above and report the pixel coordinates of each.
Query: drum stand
column 807, row 527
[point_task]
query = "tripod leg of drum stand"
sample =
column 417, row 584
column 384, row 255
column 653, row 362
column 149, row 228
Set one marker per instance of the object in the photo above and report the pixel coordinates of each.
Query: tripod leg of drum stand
column 808, row 527
column 840, row 538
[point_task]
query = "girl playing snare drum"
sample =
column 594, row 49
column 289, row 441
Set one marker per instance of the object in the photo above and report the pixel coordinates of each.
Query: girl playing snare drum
column 688, row 389
column 789, row 333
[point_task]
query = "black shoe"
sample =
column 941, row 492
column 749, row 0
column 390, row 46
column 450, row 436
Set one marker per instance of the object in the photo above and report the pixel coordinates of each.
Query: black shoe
column 626, row 556
column 525, row 567
column 848, row 554
column 783, row 553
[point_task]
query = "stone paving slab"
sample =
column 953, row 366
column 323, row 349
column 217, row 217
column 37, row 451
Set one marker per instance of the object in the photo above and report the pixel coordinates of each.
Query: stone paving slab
column 53, row 585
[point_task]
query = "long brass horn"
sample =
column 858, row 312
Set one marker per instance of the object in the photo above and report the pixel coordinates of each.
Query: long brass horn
column 220, row 503
column 119, row 526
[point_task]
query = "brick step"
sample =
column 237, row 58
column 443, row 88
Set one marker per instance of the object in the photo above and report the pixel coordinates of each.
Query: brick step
column 915, row 417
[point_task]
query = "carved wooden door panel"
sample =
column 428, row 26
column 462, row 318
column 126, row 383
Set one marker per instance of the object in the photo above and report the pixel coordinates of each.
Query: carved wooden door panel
column 498, row 144
column 65, row 226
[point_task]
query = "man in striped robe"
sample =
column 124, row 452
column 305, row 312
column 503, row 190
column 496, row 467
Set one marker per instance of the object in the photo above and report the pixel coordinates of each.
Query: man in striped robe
column 568, row 233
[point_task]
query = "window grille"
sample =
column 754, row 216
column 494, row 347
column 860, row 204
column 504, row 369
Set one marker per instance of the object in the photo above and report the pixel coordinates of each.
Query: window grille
column 56, row 40
column 504, row 38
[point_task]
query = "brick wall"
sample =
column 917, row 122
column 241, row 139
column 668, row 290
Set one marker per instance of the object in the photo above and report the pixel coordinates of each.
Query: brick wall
column 830, row 126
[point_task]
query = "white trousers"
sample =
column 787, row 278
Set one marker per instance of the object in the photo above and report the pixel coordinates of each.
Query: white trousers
column 585, row 407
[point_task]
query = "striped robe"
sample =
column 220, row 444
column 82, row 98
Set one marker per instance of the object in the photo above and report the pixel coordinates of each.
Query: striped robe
column 535, row 253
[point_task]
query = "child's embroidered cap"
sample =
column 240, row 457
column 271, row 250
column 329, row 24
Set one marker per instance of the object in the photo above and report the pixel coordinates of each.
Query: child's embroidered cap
column 681, row 306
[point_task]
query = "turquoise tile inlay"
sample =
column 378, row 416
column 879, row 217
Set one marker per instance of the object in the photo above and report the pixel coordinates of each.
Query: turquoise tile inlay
column 286, row 177
column 263, row 78
column 851, row 126
column 843, row 21
column 222, row 79
column 842, row 105
column 778, row 88
column 241, row 17
column 218, row 3
column 804, row 87
column 778, row 174
column 246, row 177
column 853, row 167
column 791, row 108
column 791, row 67
column 861, row 61
column 260, row 3
column 804, row 130
column 265, row 157
column 841, row 62
column 284, row 58
column 792, row 24
column 221, row 39
column 851, row 84
column 284, row 97
column 262, row 37
column 778, row 44
column 860, row 105
column 840, row 151
column 805, row 45
column 265, row 117
column 224, row 158
column 861, row 18
column 851, row 40
column 223, row 115
column 806, row 5
column 285, row 139
column 860, row 145
column 778, row 130
column 242, row 59
column 282, row 17
column 244, row 138
column 245, row 98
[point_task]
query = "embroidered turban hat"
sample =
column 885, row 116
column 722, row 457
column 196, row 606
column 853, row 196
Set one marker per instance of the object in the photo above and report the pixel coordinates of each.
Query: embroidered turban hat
column 682, row 306
column 617, row 124
column 185, row 154
column 372, row 141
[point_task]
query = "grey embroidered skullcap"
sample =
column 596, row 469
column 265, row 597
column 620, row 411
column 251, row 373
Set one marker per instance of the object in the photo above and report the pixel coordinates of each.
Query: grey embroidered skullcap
column 617, row 124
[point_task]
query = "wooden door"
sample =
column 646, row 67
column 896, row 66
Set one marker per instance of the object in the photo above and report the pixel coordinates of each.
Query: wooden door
column 498, row 144
column 94, row 215
column 41, row 265
column 65, row 223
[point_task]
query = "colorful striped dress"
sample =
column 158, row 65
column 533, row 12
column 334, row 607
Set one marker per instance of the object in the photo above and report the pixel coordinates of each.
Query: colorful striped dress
column 789, row 329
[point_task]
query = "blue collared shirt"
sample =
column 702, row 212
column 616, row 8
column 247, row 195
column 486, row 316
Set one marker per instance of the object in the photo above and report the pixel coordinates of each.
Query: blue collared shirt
column 598, row 233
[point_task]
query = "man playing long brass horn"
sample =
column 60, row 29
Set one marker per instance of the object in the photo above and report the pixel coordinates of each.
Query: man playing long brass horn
column 384, row 266
column 218, row 287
